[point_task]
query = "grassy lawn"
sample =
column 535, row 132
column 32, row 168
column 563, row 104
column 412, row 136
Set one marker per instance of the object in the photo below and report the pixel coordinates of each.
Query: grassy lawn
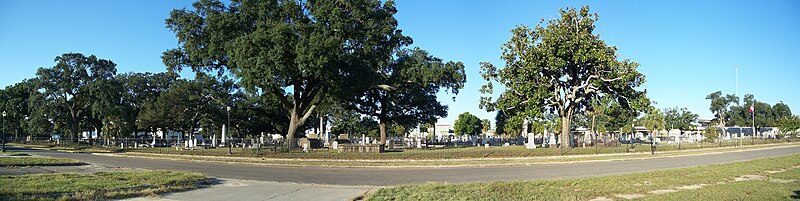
column 443, row 162
column 36, row 161
column 446, row 153
column 637, row 183
column 98, row 186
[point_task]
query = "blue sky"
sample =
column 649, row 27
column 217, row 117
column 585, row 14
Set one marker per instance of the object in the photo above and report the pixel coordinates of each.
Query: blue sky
column 687, row 49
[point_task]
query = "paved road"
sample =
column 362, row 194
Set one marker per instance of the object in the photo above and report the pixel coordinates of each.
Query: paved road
column 397, row 176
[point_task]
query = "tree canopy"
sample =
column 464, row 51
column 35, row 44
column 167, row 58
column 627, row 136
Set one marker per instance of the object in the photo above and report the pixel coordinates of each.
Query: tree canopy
column 296, row 51
column 681, row 119
column 467, row 124
column 68, row 85
column 559, row 67
column 404, row 92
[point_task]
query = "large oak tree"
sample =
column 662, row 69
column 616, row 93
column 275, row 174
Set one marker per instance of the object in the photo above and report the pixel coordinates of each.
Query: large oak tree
column 296, row 51
column 403, row 91
column 559, row 67
column 68, row 85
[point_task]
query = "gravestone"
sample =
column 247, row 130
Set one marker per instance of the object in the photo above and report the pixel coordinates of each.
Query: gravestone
column 552, row 140
column 304, row 142
column 531, row 141
column 335, row 145
column 363, row 139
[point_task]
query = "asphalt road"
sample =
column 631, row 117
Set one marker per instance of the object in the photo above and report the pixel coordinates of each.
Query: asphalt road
column 397, row 176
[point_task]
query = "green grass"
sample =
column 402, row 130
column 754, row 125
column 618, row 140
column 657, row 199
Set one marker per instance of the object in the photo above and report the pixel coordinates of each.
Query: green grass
column 103, row 185
column 413, row 154
column 443, row 162
column 36, row 161
column 447, row 153
column 609, row 186
column 746, row 190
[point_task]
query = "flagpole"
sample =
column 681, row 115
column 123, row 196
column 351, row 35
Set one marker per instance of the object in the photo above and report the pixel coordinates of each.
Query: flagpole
column 753, row 113
column 741, row 135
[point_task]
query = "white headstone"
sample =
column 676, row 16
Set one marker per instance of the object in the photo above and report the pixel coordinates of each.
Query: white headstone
column 224, row 131
column 335, row 145
column 552, row 138
column 486, row 146
column 531, row 141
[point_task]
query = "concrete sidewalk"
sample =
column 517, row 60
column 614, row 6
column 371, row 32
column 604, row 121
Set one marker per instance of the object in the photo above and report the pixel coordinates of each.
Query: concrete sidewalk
column 245, row 190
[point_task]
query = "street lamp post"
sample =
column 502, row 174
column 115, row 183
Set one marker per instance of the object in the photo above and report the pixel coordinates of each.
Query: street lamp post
column 227, row 128
column 4, row 132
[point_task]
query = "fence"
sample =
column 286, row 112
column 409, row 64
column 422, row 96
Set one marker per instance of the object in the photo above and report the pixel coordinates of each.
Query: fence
column 260, row 147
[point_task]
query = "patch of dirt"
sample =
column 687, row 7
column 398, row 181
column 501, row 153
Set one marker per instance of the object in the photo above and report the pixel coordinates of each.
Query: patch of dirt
column 629, row 196
column 775, row 171
column 234, row 184
column 749, row 177
column 659, row 192
column 692, row 187
column 601, row 199
column 781, row 180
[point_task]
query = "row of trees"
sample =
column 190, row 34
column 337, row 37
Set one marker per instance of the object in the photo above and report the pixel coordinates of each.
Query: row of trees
column 729, row 112
column 270, row 65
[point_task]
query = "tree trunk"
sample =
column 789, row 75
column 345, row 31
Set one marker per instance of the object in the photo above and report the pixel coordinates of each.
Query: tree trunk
column 74, row 128
column 382, row 128
column 566, row 135
column 293, row 124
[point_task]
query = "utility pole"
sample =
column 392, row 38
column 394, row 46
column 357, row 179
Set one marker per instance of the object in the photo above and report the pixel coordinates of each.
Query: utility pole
column 227, row 128
column 4, row 132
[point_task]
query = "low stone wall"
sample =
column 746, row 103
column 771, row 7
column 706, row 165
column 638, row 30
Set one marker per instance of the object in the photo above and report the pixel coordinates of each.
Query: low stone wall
column 370, row 148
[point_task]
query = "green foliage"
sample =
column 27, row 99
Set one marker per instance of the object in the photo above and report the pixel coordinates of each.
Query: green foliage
column 297, row 52
column 141, row 90
column 711, row 133
column 627, row 129
column 36, row 161
column 403, row 92
column 97, row 186
column 781, row 111
column 486, row 125
column 765, row 115
column 187, row 102
column 14, row 101
column 679, row 118
column 789, row 125
column 68, row 86
column 467, row 124
column 654, row 121
column 719, row 106
column 500, row 123
column 559, row 67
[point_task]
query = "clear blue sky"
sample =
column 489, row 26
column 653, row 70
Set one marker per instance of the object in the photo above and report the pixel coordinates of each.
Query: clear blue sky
column 687, row 49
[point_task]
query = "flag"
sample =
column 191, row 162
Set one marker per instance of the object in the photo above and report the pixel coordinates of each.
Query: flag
column 752, row 107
